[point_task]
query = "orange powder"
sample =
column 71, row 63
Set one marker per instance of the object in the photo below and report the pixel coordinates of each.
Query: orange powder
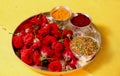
column 60, row 14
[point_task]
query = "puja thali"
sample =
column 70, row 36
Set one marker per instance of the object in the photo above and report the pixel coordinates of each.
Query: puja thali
column 56, row 42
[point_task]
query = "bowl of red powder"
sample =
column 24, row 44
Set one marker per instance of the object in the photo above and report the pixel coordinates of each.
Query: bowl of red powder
column 80, row 20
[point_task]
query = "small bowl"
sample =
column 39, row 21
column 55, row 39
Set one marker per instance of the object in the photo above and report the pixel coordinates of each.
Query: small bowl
column 80, row 28
column 81, row 18
column 60, row 13
column 84, row 40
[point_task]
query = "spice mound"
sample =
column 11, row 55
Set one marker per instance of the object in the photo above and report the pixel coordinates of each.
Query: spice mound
column 84, row 45
column 60, row 13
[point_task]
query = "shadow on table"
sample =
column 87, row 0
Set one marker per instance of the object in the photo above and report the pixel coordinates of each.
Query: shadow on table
column 104, row 56
column 79, row 72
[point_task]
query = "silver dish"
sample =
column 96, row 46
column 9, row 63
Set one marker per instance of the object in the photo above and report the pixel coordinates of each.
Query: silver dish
column 90, row 31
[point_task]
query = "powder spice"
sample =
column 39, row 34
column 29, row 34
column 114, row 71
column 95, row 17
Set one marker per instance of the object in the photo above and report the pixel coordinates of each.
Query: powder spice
column 60, row 14
column 80, row 20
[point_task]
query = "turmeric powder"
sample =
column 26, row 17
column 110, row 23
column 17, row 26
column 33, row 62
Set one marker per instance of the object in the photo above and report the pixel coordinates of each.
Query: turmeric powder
column 60, row 14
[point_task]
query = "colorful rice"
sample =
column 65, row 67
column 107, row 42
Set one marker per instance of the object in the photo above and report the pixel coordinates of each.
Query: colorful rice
column 84, row 45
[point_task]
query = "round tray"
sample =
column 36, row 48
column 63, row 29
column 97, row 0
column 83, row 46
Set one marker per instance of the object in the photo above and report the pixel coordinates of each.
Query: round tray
column 90, row 31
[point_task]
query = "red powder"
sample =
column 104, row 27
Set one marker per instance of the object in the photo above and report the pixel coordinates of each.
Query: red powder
column 80, row 20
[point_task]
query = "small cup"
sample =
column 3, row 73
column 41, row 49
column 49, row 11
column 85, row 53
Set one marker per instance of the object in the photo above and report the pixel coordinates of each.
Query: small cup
column 61, row 13
column 80, row 20
column 80, row 23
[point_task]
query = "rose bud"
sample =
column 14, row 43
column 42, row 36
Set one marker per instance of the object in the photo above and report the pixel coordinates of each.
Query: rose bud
column 67, row 33
column 66, row 43
column 72, row 64
column 68, row 55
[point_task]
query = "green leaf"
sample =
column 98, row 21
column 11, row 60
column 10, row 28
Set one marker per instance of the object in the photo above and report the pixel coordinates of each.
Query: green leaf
column 35, row 27
column 61, row 40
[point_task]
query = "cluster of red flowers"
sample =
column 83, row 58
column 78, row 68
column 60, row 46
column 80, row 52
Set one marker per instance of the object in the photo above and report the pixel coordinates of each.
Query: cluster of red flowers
column 42, row 43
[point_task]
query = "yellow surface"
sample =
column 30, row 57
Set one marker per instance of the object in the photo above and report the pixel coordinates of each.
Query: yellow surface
column 105, row 15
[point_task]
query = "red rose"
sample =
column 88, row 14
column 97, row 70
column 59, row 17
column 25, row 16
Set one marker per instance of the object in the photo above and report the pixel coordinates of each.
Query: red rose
column 40, row 37
column 59, row 46
column 44, row 31
column 23, row 26
column 67, row 33
column 43, row 19
column 56, row 56
column 27, row 56
column 46, row 27
column 36, row 44
column 66, row 43
column 39, row 20
column 27, row 28
column 53, row 56
column 54, row 30
column 35, row 20
column 58, row 49
column 73, row 61
column 17, row 42
column 20, row 51
column 71, row 64
column 70, row 67
column 55, row 66
column 22, row 33
column 28, row 39
column 49, row 41
column 56, row 33
column 36, row 58
column 53, row 26
column 45, row 51
column 53, row 45
column 68, row 55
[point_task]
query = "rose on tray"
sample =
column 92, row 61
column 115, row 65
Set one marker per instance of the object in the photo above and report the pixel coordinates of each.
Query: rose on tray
column 39, row 42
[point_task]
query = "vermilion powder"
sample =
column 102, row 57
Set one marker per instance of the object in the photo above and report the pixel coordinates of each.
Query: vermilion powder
column 80, row 20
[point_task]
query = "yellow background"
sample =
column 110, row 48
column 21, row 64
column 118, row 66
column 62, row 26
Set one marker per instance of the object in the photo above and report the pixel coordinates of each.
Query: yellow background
column 105, row 15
